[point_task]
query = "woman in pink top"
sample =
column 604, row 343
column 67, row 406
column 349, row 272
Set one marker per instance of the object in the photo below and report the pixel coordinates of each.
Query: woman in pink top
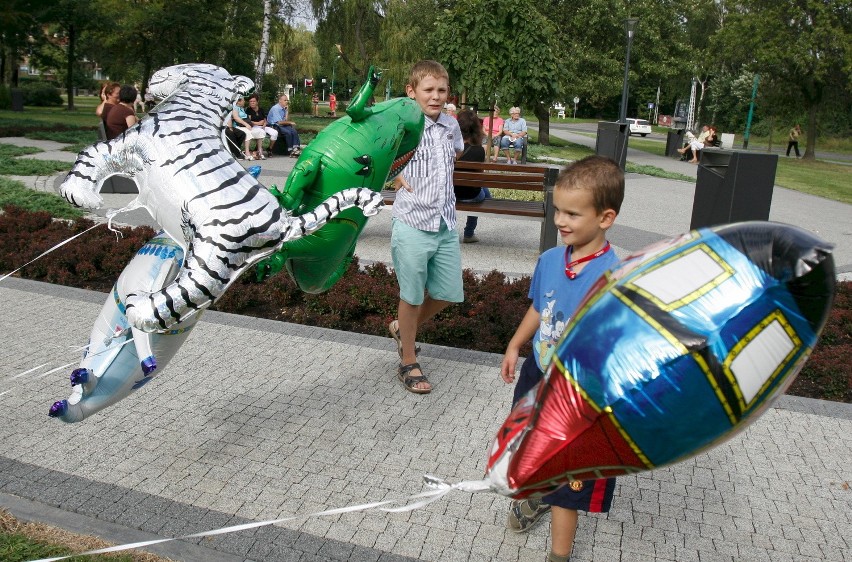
column 494, row 124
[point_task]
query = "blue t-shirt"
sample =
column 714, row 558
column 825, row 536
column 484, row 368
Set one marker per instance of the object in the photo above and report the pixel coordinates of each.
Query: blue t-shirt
column 555, row 297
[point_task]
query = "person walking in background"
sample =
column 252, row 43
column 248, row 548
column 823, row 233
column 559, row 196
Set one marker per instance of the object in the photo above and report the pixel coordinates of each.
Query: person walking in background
column 315, row 101
column 494, row 124
column 514, row 135
column 332, row 104
column 587, row 197
column 471, row 130
column 793, row 140
column 424, row 244
column 122, row 116
column 138, row 104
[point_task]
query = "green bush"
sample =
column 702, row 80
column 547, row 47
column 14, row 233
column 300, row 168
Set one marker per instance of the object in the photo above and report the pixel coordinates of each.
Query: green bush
column 301, row 103
column 365, row 300
column 42, row 94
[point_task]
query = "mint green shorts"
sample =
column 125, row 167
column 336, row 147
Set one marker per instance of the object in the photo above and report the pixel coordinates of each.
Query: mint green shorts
column 428, row 261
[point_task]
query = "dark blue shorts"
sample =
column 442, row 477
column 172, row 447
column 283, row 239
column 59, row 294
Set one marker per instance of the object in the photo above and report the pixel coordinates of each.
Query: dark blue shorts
column 593, row 496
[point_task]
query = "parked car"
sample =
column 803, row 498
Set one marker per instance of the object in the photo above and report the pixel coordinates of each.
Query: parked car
column 639, row 127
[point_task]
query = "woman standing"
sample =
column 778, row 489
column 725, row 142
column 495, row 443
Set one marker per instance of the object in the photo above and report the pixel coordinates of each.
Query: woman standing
column 122, row 116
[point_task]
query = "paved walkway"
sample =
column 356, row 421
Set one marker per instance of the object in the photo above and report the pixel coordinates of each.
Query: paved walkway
column 257, row 419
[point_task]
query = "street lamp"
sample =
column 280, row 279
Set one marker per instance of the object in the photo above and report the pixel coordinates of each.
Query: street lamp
column 333, row 63
column 629, row 27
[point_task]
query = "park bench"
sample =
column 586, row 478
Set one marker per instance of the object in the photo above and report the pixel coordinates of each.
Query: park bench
column 530, row 177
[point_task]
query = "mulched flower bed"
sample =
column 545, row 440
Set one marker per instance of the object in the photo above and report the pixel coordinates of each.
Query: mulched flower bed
column 364, row 300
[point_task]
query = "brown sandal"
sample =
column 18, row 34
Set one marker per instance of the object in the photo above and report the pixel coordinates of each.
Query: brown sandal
column 410, row 381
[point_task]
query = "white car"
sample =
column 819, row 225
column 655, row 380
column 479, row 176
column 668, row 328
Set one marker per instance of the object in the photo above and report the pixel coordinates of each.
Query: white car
column 639, row 127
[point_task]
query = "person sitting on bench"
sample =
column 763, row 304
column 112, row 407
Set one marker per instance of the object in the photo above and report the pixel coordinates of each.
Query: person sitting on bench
column 514, row 136
column 696, row 144
column 278, row 118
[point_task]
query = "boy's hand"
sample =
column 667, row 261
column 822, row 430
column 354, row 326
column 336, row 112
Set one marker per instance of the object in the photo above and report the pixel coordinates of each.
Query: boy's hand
column 400, row 183
column 507, row 368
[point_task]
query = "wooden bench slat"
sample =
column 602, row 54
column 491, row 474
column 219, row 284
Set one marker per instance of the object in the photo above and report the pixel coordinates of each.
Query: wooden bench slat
column 506, row 176
column 490, row 206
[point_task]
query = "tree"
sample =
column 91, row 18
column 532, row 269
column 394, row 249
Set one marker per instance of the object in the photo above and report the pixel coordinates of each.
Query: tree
column 804, row 48
column 264, row 45
column 501, row 49
column 592, row 38
column 355, row 26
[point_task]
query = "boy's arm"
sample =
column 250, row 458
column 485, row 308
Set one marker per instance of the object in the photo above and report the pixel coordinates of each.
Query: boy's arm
column 525, row 332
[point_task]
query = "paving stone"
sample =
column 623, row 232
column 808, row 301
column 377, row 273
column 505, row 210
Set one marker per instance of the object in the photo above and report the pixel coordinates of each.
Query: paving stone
column 298, row 434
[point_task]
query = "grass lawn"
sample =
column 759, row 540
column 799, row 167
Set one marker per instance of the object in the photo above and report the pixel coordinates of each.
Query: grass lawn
column 15, row 193
column 21, row 541
column 820, row 178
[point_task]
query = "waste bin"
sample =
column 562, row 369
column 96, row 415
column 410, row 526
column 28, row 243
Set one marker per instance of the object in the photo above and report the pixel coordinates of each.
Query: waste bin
column 732, row 186
column 17, row 99
column 612, row 141
column 674, row 141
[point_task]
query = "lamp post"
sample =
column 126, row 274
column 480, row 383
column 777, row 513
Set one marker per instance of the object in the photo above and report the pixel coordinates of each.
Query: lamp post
column 630, row 29
column 333, row 63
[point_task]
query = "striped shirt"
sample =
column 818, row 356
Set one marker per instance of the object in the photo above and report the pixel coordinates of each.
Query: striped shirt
column 430, row 175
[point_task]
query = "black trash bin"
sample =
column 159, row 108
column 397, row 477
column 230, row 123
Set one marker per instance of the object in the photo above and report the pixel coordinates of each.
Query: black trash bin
column 17, row 99
column 733, row 186
column 612, row 141
column 674, row 141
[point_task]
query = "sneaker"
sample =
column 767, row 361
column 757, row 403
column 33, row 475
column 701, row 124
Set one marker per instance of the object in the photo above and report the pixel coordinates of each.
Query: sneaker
column 524, row 514
column 470, row 239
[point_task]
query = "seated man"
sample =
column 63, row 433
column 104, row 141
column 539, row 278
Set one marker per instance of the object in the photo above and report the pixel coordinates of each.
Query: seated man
column 514, row 135
column 277, row 118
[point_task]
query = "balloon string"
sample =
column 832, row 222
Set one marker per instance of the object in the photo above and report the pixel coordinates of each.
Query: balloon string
column 48, row 251
column 440, row 488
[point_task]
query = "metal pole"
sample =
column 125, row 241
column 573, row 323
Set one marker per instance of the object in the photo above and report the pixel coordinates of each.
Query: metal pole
column 333, row 63
column 657, row 105
column 750, row 111
column 629, row 25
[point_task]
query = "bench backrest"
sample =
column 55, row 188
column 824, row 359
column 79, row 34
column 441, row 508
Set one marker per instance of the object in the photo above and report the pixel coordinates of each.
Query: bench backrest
column 501, row 176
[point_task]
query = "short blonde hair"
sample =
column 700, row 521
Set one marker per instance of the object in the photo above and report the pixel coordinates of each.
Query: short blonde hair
column 426, row 68
column 450, row 107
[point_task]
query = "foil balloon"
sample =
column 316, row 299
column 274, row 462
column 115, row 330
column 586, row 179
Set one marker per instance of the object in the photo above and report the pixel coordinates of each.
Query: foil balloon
column 368, row 145
column 120, row 358
column 189, row 182
column 112, row 368
column 677, row 349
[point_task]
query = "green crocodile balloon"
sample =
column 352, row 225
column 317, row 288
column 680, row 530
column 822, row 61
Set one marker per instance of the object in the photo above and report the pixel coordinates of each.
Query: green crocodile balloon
column 363, row 149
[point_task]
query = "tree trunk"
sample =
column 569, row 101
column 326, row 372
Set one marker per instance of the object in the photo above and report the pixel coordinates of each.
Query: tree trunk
column 543, row 113
column 264, row 46
column 69, row 80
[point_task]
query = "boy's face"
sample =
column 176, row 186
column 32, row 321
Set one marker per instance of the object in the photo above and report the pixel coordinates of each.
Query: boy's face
column 578, row 221
column 431, row 94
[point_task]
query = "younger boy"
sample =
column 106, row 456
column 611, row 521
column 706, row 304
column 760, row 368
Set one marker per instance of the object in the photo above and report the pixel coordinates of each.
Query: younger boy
column 424, row 244
column 587, row 198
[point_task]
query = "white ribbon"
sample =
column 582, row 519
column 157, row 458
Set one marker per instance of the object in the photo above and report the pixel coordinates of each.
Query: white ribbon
column 440, row 488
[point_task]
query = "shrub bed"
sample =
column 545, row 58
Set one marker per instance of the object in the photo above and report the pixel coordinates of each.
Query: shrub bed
column 364, row 300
